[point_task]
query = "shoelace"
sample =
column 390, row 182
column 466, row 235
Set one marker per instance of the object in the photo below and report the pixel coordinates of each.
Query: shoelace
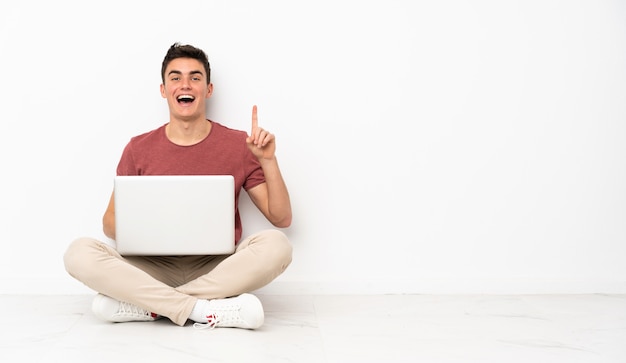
column 213, row 320
column 127, row 309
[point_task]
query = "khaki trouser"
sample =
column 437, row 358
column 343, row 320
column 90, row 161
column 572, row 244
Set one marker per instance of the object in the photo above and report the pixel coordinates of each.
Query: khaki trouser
column 170, row 285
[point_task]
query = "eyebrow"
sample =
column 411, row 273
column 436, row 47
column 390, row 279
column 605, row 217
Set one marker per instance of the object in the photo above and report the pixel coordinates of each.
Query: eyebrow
column 179, row 72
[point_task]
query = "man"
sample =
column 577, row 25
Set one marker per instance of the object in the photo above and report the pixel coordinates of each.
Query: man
column 212, row 291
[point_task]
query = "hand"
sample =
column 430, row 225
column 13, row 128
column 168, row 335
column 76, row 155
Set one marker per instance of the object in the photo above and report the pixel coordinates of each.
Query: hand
column 260, row 142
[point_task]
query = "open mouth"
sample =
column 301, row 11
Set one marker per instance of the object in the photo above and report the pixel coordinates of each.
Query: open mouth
column 185, row 99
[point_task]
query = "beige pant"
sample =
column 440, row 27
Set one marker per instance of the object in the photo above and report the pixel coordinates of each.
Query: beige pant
column 170, row 286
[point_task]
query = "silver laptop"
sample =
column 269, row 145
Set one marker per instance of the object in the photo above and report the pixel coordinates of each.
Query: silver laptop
column 165, row 215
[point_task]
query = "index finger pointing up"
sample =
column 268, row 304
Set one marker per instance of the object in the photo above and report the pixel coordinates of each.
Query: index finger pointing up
column 255, row 120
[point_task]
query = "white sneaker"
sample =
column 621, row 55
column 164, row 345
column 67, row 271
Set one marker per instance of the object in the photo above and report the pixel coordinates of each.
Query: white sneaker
column 109, row 309
column 244, row 311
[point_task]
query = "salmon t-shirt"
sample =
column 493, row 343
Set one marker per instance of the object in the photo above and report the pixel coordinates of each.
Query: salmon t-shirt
column 223, row 152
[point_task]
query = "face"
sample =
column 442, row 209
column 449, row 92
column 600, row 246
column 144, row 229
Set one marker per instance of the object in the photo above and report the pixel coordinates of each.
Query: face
column 186, row 89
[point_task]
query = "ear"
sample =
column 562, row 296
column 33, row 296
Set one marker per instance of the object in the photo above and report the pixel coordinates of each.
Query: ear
column 162, row 90
column 209, row 90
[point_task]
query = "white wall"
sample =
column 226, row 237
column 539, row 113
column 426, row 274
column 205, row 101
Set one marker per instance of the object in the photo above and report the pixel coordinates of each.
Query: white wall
column 430, row 146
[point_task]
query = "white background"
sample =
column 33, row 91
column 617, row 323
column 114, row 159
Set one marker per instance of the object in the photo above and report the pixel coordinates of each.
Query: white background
column 429, row 146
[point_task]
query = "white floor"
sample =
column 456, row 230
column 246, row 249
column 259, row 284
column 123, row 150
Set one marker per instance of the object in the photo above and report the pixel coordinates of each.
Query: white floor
column 377, row 328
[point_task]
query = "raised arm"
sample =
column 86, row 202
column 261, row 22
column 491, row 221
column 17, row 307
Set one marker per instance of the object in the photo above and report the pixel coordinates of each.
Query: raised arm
column 271, row 197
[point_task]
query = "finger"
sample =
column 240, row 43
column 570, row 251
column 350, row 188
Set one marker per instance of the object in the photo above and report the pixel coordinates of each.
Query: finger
column 266, row 138
column 260, row 137
column 263, row 138
column 255, row 120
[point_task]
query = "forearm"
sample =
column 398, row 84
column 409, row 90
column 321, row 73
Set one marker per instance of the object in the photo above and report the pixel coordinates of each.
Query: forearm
column 108, row 220
column 108, row 225
column 278, row 201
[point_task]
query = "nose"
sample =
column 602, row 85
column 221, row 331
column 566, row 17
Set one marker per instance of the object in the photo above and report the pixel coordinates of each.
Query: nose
column 186, row 83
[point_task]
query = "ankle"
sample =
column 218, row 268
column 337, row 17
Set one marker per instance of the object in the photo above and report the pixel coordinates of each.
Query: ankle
column 198, row 312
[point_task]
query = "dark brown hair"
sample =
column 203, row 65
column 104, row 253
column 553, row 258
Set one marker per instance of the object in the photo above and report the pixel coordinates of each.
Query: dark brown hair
column 186, row 51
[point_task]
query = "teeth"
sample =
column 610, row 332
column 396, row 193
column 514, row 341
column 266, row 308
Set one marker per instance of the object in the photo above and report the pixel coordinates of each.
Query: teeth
column 185, row 97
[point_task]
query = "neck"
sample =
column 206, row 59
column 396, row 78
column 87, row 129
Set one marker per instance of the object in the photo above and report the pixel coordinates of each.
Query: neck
column 187, row 132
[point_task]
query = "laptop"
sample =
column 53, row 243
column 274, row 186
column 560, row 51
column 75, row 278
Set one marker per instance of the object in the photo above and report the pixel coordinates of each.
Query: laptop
column 174, row 215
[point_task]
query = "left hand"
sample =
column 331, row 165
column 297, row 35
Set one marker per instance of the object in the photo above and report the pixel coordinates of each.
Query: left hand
column 260, row 141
